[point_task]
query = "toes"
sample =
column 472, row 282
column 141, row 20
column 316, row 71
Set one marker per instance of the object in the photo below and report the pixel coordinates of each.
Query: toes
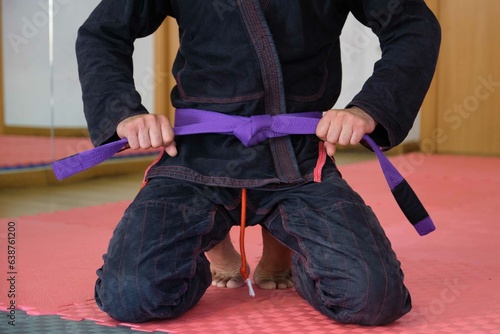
column 267, row 284
column 273, row 284
column 284, row 284
column 228, row 282
column 227, row 276
column 235, row 282
column 222, row 283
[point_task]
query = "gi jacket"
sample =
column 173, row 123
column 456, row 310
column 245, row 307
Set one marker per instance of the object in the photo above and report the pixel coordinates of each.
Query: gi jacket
column 251, row 57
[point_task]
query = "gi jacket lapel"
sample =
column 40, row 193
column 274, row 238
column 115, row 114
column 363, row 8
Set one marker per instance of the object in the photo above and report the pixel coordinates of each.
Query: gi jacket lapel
column 260, row 35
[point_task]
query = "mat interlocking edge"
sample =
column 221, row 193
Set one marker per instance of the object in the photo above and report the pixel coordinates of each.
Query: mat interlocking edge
column 453, row 273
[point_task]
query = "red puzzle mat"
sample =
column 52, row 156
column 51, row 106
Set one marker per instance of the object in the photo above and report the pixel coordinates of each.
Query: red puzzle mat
column 453, row 273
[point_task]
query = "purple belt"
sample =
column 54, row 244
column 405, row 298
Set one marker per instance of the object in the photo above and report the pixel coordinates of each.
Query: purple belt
column 250, row 131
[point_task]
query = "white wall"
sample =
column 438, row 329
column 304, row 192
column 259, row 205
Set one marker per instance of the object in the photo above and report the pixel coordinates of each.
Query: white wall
column 27, row 74
column 360, row 51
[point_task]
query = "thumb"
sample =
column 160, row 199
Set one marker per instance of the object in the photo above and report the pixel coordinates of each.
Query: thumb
column 171, row 149
column 330, row 148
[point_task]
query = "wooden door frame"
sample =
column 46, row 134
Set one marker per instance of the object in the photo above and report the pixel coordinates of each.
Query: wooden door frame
column 166, row 44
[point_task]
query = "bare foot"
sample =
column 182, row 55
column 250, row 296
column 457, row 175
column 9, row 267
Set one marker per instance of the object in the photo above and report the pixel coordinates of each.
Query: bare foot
column 274, row 269
column 225, row 263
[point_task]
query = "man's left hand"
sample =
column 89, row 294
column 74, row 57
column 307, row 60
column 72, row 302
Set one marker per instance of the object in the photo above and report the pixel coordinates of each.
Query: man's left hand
column 344, row 127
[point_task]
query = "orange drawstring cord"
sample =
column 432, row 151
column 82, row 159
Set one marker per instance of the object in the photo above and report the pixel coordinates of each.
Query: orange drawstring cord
column 320, row 163
column 243, row 269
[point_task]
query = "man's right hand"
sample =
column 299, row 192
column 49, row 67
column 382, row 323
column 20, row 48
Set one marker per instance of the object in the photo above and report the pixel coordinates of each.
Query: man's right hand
column 148, row 131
